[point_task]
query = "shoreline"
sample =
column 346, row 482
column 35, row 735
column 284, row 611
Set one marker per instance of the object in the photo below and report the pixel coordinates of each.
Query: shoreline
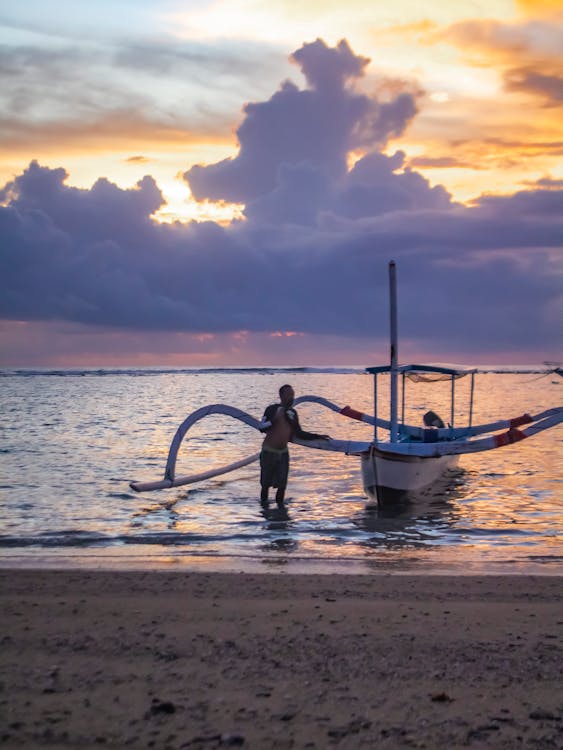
column 195, row 659
column 166, row 560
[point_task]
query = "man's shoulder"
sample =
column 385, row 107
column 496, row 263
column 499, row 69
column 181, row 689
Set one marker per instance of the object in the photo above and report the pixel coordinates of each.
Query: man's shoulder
column 291, row 414
column 270, row 412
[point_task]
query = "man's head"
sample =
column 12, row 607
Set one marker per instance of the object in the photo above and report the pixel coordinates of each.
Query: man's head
column 287, row 394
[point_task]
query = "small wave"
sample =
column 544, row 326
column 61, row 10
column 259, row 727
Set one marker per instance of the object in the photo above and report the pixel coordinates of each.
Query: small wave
column 510, row 531
column 83, row 539
column 55, row 539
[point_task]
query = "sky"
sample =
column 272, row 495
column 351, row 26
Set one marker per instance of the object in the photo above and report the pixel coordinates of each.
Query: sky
column 223, row 182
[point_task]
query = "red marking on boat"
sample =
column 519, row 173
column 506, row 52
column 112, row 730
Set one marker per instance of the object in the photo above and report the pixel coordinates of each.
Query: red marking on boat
column 512, row 436
column 347, row 411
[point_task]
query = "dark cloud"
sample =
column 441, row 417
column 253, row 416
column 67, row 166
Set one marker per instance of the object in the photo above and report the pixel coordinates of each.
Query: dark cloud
column 549, row 183
column 476, row 278
column 312, row 253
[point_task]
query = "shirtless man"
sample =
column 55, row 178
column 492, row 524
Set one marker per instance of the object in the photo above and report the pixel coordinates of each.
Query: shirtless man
column 274, row 457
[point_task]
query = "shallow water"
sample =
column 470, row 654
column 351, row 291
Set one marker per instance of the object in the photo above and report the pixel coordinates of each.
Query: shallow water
column 72, row 440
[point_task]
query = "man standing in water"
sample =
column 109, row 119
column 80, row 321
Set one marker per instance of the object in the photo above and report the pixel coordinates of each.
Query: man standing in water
column 274, row 457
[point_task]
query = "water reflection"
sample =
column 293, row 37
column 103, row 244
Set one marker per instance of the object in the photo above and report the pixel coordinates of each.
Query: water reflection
column 281, row 546
column 169, row 517
column 278, row 521
column 422, row 522
column 276, row 515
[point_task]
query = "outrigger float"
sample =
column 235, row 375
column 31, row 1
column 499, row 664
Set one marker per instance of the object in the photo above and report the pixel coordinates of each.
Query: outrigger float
column 412, row 460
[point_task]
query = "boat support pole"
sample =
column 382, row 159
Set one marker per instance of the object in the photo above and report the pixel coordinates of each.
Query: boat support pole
column 471, row 398
column 394, row 346
column 375, row 407
column 452, row 411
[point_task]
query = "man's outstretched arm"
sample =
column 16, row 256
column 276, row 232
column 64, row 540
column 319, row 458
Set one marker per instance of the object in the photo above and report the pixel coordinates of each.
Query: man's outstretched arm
column 300, row 433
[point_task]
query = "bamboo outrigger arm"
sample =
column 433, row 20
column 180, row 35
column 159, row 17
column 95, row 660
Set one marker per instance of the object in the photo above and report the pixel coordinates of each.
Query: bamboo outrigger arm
column 420, row 447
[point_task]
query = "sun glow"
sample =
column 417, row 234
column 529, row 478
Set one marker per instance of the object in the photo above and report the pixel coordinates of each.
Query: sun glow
column 180, row 206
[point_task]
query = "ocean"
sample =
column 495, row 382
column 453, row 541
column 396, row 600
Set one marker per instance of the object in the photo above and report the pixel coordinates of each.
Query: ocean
column 73, row 439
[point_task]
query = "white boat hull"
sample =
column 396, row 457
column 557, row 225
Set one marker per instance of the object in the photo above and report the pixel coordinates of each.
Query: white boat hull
column 391, row 478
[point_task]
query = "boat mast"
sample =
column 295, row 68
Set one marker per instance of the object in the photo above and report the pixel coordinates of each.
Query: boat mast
column 394, row 349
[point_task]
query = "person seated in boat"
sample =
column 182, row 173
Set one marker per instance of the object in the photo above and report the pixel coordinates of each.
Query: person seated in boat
column 274, row 456
column 431, row 419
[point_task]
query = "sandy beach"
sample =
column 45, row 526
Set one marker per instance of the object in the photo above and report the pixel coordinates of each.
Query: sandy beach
column 210, row 660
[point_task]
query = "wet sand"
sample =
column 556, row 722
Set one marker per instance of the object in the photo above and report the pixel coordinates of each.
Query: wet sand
column 213, row 660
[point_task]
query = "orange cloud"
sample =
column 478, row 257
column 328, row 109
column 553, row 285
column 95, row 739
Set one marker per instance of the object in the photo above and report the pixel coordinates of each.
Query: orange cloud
column 542, row 8
column 114, row 131
column 442, row 162
column 486, row 42
column 507, row 119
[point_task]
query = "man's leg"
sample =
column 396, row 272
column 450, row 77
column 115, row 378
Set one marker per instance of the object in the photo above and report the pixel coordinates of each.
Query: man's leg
column 283, row 471
column 265, row 476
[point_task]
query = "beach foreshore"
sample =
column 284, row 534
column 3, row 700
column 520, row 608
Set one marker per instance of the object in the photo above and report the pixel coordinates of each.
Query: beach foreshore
column 209, row 660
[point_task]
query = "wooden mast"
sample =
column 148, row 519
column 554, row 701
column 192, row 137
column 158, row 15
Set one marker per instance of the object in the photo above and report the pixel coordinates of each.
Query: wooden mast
column 394, row 349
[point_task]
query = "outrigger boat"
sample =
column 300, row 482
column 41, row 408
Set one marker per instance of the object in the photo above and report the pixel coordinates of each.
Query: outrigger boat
column 412, row 460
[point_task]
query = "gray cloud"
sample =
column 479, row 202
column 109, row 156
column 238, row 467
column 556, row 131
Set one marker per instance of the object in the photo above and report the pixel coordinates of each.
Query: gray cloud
column 59, row 91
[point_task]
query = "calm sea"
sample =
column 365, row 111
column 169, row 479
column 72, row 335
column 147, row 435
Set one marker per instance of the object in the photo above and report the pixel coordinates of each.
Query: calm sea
column 71, row 440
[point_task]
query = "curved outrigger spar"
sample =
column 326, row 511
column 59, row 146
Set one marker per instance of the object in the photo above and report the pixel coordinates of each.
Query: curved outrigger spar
column 417, row 442
column 413, row 457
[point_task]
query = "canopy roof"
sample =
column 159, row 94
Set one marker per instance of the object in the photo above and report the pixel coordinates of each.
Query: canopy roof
column 422, row 372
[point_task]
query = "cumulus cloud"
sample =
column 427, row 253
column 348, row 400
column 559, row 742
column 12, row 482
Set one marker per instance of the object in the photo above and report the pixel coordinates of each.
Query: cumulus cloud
column 310, row 256
column 317, row 126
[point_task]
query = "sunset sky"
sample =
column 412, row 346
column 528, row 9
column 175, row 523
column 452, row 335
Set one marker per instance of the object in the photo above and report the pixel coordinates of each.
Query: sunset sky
column 223, row 182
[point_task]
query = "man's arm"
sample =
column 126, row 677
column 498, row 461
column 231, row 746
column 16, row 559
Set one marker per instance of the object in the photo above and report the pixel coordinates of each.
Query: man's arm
column 269, row 416
column 298, row 432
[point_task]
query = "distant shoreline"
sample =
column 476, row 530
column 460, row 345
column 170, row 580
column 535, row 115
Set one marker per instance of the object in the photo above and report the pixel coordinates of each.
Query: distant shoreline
column 266, row 370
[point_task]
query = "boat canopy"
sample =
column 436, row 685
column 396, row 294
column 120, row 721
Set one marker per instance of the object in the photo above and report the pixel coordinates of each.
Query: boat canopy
column 422, row 373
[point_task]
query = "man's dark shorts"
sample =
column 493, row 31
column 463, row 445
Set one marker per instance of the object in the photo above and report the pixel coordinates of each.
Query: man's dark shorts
column 274, row 468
